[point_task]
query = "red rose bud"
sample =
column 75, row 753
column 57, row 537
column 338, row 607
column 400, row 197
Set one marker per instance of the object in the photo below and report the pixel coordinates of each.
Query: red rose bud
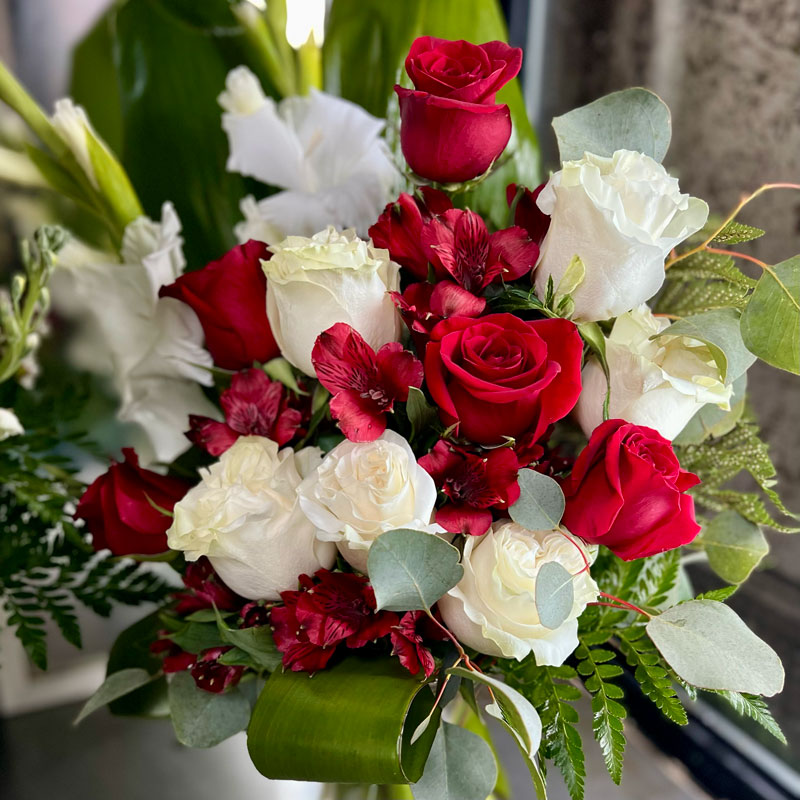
column 473, row 484
column 229, row 298
column 254, row 405
column 451, row 129
column 399, row 228
column 460, row 247
column 527, row 214
column 500, row 376
column 122, row 508
column 626, row 492
column 364, row 384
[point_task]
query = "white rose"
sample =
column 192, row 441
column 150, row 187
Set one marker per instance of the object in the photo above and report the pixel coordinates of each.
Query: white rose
column 622, row 215
column 331, row 277
column 245, row 517
column 9, row 424
column 660, row 383
column 363, row 489
column 493, row 610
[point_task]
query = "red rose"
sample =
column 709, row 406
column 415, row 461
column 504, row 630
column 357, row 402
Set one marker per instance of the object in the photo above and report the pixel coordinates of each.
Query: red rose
column 626, row 492
column 451, row 129
column 500, row 376
column 399, row 228
column 120, row 508
column 229, row 297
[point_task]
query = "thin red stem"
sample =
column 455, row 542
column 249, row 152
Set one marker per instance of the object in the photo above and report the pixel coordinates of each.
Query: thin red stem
column 735, row 254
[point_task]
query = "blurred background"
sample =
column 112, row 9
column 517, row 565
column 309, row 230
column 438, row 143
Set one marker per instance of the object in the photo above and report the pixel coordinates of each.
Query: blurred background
column 730, row 72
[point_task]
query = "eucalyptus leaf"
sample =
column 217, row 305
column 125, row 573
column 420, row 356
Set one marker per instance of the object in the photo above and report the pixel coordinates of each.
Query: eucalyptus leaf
column 734, row 546
column 194, row 637
column 709, row 646
column 410, row 570
column 256, row 641
column 720, row 330
column 204, row 719
column 541, row 502
column 554, row 594
column 354, row 719
column 461, row 766
column 771, row 319
column 633, row 119
column 115, row 686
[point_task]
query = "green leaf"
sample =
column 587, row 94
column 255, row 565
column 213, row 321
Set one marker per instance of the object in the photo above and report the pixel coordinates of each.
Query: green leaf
column 279, row 369
column 592, row 334
column 420, row 413
column 712, row 421
column 460, row 767
column 754, row 707
column 115, row 686
column 194, row 637
column 633, row 119
column 736, row 232
column 204, row 719
column 719, row 329
column 257, row 642
column 709, row 646
column 132, row 649
column 355, row 720
column 410, row 570
column 734, row 546
column 541, row 502
column 771, row 320
column 554, row 594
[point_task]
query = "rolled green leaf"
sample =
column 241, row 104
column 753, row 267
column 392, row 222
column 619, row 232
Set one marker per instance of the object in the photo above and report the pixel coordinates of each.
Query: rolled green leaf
column 355, row 722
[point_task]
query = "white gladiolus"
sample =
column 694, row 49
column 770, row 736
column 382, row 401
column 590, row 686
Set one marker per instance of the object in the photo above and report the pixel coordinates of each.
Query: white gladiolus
column 493, row 608
column 331, row 277
column 363, row 489
column 245, row 517
column 622, row 215
column 9, row 424
column 323, row 151
column 73, row 126
column 660, row 383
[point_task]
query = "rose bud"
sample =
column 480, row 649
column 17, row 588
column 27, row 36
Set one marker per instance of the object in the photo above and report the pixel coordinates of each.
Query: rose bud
column 229, row 298
column 451, row 128
column 622, row 215
column 127, row 509
column 627, row 492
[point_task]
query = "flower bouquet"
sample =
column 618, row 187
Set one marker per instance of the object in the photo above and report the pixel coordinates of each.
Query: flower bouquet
column 445, row 465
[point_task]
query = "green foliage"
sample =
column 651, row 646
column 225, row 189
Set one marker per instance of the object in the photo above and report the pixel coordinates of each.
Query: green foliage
column 718, row 460
column 703, row 282
column 541, row 502
column 754, row 707
column 734, row 546
column 608, row 714
column 654, row 679
column 736, row 232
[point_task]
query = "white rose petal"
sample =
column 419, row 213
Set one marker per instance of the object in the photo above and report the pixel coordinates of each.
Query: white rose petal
column 244, row 515
column 9, row 424
column 660, row 383
column 622, row 215
column 363, row 489
column 493, row 608
column 331, row 277
column 325, row 152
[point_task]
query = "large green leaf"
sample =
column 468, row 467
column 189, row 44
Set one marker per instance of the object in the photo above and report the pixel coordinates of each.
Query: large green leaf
column 116, row 685
column 734, row 546
column 771, row 320
column 350, row 723
column 633, row 119
column 132, row 650
column 709, row 646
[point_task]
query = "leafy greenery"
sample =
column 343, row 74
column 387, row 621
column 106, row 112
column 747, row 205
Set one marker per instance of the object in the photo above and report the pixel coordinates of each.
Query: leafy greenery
column 736, row 232
column 541, row 502
column 754, row 707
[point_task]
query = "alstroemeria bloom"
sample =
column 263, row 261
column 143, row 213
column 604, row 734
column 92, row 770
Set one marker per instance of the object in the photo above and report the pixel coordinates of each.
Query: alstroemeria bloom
column 473, row 484
column 325, row 152
column 408, row 642
column 460, row 246
column 364, row 384
column 254, row 405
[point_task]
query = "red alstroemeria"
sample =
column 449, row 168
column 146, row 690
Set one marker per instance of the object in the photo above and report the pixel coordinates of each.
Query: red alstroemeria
column 330, row 609
column 364, row 384
column 176, row 659
column 527, row 214
column 473, row 484
column 422, row 305
column 254, row 615
column 408, row 642
column 206, row 590
column 460, row 246
column 211, row 676
column 254, row 405
column 399, row 227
